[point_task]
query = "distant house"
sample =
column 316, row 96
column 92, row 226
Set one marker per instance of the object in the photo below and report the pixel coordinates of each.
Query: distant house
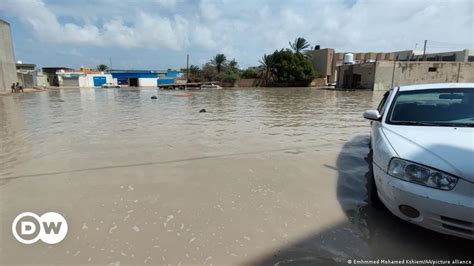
column 145, row 78
column 27, row 74
column 383, row 75
column 84, row 78
column 51, row 75
column 366, row 68
column 135, row 78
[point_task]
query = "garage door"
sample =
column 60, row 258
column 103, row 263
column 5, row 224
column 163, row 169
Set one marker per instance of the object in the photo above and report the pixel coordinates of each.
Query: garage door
column 98, row 81
column 70, row 82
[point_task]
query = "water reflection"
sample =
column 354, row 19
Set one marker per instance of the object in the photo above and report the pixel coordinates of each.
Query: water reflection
column 98, row 126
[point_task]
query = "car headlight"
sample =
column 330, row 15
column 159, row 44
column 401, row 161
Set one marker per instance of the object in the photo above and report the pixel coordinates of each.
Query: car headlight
column 420, row 174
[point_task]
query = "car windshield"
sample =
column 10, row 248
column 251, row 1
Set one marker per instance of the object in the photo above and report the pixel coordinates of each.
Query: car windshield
column 435, row 107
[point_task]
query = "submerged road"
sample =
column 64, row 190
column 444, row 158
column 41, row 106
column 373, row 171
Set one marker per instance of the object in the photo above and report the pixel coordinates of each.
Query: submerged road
column 264, row 177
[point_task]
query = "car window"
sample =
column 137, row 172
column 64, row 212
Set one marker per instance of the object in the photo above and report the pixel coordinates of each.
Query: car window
column 382, row 104
column 438, row 107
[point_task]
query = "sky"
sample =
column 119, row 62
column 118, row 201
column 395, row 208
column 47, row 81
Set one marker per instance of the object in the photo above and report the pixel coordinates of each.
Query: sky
column 157, row 34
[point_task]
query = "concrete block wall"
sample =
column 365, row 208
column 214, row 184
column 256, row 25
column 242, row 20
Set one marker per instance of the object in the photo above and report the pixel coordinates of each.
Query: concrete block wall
column 246, row 83
column 408, row 73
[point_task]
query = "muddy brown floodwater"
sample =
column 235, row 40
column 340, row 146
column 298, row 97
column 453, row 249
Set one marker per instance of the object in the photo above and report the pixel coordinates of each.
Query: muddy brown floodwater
column 265, row 176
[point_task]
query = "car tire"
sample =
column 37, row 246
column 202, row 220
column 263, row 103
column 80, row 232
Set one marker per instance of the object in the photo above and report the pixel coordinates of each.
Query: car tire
column 373, row 197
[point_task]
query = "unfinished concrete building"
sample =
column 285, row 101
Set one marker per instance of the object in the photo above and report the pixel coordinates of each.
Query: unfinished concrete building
column 324, row 62
column 7, row 58
column 383, row 75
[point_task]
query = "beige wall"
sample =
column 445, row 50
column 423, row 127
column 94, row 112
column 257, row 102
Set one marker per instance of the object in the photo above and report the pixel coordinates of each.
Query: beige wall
column 324, row 62
column 378, row 75
column 246, row 83
column 319, row 82
column 346, row 76
column 7, row 58
column 407, row 73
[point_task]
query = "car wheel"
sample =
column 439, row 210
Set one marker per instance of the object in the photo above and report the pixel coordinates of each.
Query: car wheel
column 373, row 197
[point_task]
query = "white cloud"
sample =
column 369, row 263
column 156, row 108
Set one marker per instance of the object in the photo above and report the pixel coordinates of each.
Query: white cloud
column 209, row 9
column 246, row 29
column 202, row 37
column 166, row 3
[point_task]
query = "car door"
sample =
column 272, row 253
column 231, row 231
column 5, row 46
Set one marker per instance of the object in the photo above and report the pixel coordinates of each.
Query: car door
column 379, row 144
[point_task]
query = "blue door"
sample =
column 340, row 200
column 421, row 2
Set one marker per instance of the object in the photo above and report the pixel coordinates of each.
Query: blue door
column 98, row 81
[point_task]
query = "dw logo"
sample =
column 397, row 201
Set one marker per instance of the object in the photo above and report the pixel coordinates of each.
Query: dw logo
column 50, row 227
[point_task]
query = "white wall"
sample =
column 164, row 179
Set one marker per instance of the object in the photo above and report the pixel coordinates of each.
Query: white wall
column 147, row 82
column 41, row 80
column 87, row 81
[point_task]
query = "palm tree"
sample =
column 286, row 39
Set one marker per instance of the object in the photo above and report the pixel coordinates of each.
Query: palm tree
column 267, row 71
column 219, row 60
column 102, row 67
column 299, row 45
column 233, row 64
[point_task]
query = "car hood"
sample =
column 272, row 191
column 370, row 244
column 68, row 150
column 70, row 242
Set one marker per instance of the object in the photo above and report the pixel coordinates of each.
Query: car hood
column 445, row 148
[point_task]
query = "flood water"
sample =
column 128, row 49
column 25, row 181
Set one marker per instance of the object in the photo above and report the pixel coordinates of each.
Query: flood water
column 265, row 176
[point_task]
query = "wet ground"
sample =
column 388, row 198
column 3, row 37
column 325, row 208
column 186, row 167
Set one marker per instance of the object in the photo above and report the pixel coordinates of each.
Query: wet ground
column 265, row 176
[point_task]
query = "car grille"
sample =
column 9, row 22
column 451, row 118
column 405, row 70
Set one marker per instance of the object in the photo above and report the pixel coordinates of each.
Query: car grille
column 458, row 226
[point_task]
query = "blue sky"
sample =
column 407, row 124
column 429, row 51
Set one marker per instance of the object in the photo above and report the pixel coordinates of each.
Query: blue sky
column 157, row 34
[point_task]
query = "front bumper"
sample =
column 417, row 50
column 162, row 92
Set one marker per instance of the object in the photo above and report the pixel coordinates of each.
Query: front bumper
column 447, row 212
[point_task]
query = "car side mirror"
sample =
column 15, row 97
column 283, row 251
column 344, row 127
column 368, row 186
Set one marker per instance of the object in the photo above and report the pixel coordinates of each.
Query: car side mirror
column 373, row 115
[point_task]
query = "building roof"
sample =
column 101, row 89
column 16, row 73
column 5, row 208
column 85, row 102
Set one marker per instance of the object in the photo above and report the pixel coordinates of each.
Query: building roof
column 25, row 65
column 142, row 71
column 56, row 68
column 132, row 71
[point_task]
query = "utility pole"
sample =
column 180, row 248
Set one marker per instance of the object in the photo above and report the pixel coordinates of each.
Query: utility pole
column 459, row 71
column 187, row 68
column 424, row 51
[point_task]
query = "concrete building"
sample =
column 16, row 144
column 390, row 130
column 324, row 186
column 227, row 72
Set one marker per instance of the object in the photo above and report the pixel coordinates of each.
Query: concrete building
column 51, row 75
column 84, row 78
column 407, row 55
column 369, row 68
column 383, row 75
column 135, row 78
column 27, row 74
column 324, row 62
column 466, row 55
column 8, row 74
column 146, row 78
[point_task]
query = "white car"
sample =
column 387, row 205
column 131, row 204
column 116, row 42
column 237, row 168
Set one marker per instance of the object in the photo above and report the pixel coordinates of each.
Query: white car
column 210, row 86
column 110, row 85
column 422, row 146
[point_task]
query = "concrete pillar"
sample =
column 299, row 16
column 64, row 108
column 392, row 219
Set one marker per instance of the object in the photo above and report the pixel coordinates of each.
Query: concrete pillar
column 7, row 58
